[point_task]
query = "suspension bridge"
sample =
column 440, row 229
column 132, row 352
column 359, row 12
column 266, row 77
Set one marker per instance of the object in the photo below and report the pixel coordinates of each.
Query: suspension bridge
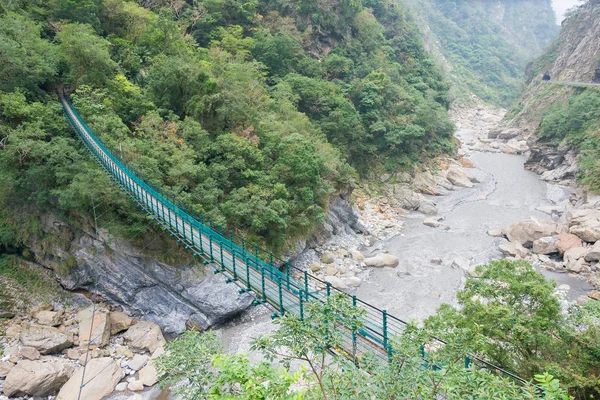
column 276, row 283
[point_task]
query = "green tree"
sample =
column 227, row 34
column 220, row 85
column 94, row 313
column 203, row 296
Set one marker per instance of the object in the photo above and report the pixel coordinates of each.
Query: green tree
column 27, row 61
column 86, row 56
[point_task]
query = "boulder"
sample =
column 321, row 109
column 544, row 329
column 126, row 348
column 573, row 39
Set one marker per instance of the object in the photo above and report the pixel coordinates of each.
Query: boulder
column 594, row 294
column 41, row 307
column 574, row 258
column 513, row 249
column 119, row 322
column 46, row 339
column 137, row 362
column 101, row 377
column 382, row 260
column 30, row 353
column 335, row 282
column 425, row 183
column 135, row 386
column 406, row 198
column 352, row 281
column 528, row 231
column 463, row 264
column 494, row 233
column 575, row 253
column 585, row 223
column 458, row 177
column 545, row 245
column 148, row 375
column 566, row 241
column 38, row 378
column 327, row 257
column 94, row 326
column 51, row 318
column 145, row 335
column 593, row 253
column 121, row 387
column 5, row 368
column 357, row 255
column 432, row 222
column 515, row 146
column 427, row 207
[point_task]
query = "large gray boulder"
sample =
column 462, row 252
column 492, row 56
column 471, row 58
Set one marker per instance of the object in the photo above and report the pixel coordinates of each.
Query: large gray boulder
column 545, row 245
column 101, row 377
column 513, row 249
column 457, row 176
column 426, row 183
column 382, row 260
column 406, row 198
column 585, row 223
column 145, row 335
column 593, row 253
column 528, row 231
column 46, row 339
column 575, row 258
column 38, row 378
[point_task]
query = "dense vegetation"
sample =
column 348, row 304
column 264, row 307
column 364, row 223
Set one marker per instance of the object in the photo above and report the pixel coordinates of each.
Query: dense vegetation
column 520, row 328
column 575, row 122
column 487, row 46
column 253, row 113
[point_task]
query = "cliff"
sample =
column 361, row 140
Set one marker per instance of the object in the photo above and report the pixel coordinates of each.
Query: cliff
column 559, row 118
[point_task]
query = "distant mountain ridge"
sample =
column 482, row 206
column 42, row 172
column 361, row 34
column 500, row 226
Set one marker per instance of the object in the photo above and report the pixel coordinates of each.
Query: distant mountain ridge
column 486, row 45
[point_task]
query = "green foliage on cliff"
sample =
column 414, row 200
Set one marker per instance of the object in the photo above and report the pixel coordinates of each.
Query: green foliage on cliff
column 576, row 123
column 487, row 46
column 253, row 112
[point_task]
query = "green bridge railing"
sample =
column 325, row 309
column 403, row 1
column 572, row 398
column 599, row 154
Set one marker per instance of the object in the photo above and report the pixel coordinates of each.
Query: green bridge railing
column 285, row 291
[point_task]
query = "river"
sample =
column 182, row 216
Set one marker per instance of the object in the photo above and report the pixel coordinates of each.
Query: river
column 426, row 277
column 504, row 193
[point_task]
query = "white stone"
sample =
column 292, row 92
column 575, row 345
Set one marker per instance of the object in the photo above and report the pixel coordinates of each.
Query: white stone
column 137, row 362
column 382, row 260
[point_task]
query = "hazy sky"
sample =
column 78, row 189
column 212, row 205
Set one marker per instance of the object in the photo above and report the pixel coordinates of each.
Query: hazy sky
column 560, row 6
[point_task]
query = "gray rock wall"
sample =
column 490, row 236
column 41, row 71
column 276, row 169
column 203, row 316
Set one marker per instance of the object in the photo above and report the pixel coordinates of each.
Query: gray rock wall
column 169, row 295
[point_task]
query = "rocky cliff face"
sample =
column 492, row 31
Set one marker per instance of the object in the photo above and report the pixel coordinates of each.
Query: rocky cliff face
column 573, row 57
column 173, row 296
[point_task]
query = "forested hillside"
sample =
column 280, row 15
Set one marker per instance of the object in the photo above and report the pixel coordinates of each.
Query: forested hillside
column 485, row 45
column 253, row 113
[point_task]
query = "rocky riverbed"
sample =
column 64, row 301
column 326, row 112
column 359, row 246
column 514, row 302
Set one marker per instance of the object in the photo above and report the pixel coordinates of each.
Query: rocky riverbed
column 45, row 351
column 435, row 224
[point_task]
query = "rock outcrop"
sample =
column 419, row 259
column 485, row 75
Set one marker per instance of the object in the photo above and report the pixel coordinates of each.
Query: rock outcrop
column 145, row 335
column 166, row 294
column 585, row 223
column 528, row 231
column 38, row 378
column 101, row 377
column 46, row 339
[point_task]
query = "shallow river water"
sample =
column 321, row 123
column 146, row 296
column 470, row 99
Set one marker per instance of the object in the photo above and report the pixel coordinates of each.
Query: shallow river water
column 505, row 193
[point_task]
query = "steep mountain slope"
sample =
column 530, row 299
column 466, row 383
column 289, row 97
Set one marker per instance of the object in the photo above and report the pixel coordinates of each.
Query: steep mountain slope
column 563, row 119
column 485, row 45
